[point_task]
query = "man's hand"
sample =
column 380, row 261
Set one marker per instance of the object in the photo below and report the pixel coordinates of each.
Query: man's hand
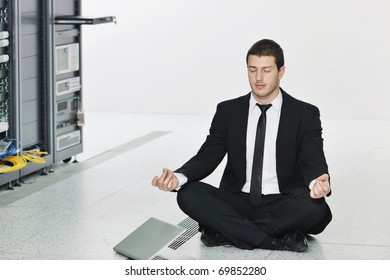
column 167, row 181
column 321, row 187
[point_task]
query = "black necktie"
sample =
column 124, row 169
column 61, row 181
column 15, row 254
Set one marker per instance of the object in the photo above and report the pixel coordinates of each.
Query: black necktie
column 257, row 168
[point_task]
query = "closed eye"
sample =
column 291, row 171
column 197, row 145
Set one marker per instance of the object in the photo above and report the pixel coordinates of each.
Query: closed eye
column 252, row 69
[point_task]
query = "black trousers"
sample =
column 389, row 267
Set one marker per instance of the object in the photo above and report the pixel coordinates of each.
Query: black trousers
column 246, row 227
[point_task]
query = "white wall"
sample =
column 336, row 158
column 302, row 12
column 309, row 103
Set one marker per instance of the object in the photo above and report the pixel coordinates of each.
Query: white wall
column 185, row 56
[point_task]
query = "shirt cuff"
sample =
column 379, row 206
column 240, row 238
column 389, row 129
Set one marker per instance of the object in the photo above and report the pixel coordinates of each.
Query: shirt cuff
column 311, row 185
column 182, row 180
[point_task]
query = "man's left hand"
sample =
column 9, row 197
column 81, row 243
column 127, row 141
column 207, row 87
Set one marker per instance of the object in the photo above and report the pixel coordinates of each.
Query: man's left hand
column 321, row 187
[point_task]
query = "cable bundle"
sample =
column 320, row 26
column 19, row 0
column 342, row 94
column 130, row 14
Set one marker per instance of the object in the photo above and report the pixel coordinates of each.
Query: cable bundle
column 11, row 150
column 12, row 163
column 9, row 162
column 34, row 156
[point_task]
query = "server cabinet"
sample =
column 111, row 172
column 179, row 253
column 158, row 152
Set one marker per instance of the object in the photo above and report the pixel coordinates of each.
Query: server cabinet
column 8, row 96
column 67, row 81
column 41, row 93
column 35, row 109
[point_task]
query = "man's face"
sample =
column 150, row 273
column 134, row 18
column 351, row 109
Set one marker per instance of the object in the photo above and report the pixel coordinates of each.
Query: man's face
column 264, row 77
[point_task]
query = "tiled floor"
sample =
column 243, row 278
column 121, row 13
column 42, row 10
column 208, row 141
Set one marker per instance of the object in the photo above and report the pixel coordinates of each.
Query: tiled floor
column 83, row 209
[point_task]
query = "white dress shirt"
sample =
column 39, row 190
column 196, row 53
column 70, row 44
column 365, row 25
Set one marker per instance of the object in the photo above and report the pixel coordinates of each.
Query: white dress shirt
column 269, row 180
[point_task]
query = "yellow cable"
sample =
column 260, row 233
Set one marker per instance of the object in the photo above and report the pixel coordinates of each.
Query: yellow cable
column 16, row 162
column 35, row 152
column 34, row 156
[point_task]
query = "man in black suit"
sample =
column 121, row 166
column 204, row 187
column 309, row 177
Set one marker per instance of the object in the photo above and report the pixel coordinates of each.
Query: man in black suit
column 272, row 192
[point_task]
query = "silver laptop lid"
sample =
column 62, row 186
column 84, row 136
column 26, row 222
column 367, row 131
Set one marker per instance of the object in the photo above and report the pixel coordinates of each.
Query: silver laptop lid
column 149, row 238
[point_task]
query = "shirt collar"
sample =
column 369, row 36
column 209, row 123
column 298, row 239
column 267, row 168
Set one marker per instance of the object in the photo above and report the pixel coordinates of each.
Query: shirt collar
column 276, row 103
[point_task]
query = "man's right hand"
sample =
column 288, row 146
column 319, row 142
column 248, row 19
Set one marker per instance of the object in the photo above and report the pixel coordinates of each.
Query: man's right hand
column 167, row 181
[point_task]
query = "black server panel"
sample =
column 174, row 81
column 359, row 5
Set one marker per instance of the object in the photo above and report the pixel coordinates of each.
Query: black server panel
column 9, row 165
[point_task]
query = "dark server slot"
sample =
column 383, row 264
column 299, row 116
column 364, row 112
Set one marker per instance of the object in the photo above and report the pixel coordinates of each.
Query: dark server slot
column 3, row 16
column 3, row 73
column 62, row 106
column 67, row 123
column 68, row 106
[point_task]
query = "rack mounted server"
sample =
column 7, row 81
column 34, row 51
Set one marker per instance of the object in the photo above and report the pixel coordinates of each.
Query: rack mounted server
column 41, row 93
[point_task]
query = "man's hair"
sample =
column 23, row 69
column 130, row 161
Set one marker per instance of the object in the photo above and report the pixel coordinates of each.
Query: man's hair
column 267, row 47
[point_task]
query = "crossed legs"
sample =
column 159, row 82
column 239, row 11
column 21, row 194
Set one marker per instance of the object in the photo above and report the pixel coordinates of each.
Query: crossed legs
column 247, row 227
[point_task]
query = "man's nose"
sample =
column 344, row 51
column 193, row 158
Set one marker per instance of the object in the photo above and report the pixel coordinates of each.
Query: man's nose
column 259, row 76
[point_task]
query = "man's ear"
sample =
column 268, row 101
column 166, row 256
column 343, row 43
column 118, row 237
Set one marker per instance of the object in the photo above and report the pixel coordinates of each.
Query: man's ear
column 281, row 72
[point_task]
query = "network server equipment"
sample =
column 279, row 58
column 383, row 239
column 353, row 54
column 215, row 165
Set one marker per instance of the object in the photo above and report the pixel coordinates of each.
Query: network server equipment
column 41, row 93
column 68, row 85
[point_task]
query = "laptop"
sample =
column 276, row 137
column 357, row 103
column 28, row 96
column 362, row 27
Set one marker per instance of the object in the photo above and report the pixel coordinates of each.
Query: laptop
column 148, row 239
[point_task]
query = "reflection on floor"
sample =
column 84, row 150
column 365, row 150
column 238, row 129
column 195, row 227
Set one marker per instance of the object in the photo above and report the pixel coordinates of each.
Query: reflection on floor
column 83, row 209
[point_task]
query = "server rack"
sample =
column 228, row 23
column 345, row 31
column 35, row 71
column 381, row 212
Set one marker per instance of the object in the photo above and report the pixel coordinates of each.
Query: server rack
column 68, row 97
column 35, row 127
column 41, row 82
column 8, row 98
column 67, row 81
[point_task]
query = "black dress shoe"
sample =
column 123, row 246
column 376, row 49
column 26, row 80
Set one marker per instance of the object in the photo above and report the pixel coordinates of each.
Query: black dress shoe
column 293, row 241
column 213, row 238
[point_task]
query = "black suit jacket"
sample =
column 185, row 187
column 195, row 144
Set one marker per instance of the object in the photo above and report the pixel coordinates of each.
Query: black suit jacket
column 299, row 145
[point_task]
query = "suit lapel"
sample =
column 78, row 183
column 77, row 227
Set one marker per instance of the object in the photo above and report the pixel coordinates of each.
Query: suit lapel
column 242, row 116
column 286, row 120
column 239, row 121
column 286, row 139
